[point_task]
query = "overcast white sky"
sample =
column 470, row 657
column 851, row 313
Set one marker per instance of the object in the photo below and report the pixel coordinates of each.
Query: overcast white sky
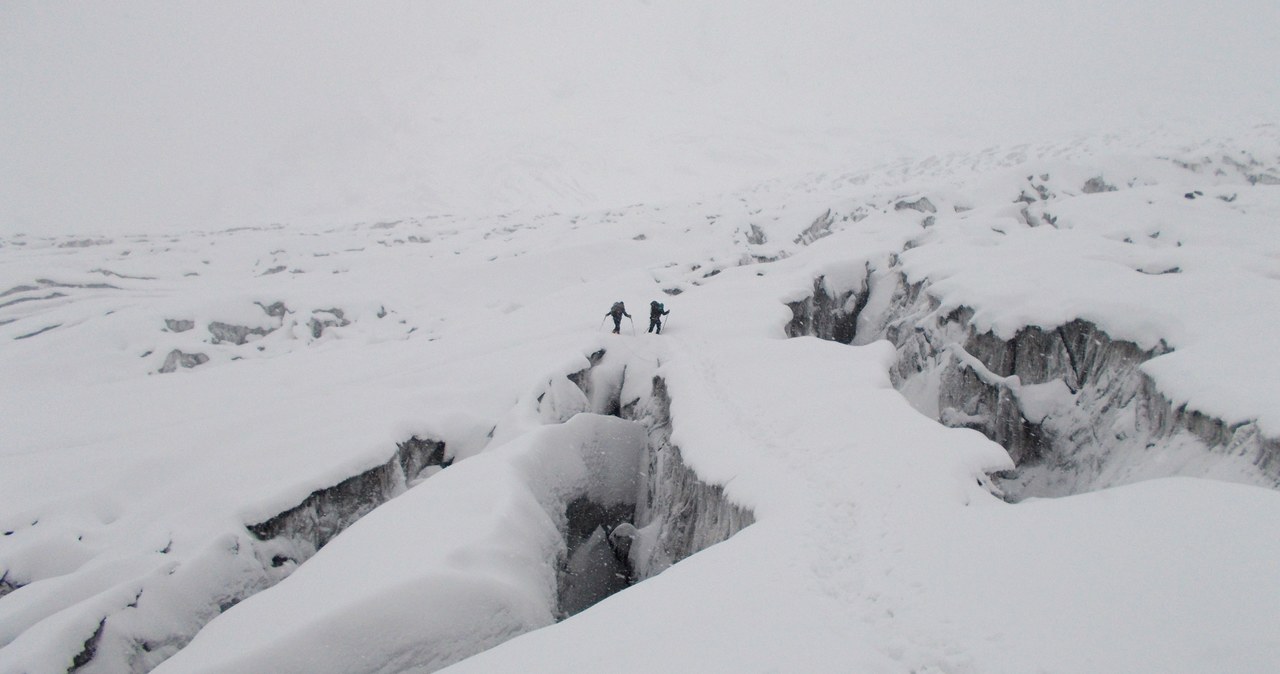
column 142, row 116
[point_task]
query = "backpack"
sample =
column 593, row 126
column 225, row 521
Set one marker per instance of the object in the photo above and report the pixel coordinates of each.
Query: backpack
column 618, row 309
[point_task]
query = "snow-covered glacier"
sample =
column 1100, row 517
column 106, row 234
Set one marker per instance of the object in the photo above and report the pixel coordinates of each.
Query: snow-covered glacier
column 994, row 412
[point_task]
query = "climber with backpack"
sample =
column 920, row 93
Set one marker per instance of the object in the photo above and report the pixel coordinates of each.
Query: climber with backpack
column 617, row 311
column 656, row 312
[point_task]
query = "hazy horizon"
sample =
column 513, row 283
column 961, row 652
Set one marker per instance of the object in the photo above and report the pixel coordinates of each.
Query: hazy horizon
column 163, row 116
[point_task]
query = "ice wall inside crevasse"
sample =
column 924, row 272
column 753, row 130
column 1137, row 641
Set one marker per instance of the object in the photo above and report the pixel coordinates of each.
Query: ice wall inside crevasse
column 672, row 514
column 1072, row 405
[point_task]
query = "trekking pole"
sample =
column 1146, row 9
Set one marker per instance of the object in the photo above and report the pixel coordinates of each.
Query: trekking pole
column 602, row 320
column 633, row 326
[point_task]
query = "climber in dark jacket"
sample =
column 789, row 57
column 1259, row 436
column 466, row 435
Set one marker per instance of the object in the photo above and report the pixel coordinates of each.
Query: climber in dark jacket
column 656, row 312
column 618, row 310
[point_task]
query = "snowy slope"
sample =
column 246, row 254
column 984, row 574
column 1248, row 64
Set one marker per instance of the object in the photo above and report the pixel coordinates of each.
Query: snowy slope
column 125, row 492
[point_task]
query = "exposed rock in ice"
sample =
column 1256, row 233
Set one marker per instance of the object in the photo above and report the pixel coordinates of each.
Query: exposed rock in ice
column 826, row 316
column 678, row 513
column 326, row 318
column 177, row 359
column 275, row 309
column 819, row 228
column 235, row 334
column 1097, row 184
column 922, row 205
column 304, row 529
column 1073, row 407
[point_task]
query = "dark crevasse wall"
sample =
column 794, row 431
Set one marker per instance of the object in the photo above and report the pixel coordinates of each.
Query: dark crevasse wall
column 169, row 610
column 302, row 530
column 1070, row 404
column 595, row 563
column 826, row 314
column 675, row 514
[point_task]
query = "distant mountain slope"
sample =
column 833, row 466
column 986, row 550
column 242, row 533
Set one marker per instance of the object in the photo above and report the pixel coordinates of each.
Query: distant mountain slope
column 147, row 116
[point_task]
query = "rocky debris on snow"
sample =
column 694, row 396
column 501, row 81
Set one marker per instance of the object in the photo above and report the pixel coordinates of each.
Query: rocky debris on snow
column 235, row 334
column 818, row 229
column 756, row 236
column 1096, row 184
column 177, row 358
column 275, row 309
column 85, row 243
column 326, row 318
column 1251, row 171
column 178, row 325
column 922, row 205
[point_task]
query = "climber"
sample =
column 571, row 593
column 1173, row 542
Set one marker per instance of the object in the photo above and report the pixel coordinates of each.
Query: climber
column 656, row 312
column 618, row 310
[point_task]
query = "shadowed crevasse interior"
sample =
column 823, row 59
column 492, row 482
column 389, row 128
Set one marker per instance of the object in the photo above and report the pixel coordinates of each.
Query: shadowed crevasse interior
column 674, row 514
column 1071, row 404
